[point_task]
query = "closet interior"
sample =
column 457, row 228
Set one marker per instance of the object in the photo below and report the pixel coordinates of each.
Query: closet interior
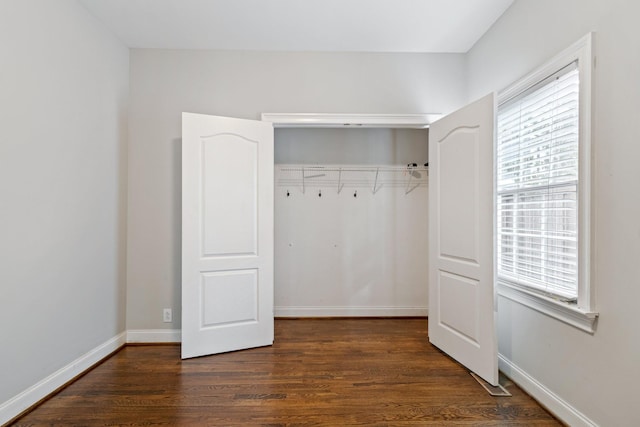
column 351, row 222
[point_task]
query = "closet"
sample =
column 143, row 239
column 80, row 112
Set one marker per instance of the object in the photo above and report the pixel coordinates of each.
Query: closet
column 351, row 221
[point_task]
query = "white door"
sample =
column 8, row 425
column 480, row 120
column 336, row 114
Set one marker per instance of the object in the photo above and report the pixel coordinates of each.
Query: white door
column 227, row 234
column 461, row 279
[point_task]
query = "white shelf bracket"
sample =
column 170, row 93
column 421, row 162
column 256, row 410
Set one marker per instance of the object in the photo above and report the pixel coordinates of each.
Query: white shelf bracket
column 409, row 188
column 375, row 184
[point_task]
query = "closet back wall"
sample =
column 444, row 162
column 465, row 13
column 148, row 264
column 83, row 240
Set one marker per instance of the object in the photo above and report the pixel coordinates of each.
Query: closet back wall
column 340, row 255
column 164, row 83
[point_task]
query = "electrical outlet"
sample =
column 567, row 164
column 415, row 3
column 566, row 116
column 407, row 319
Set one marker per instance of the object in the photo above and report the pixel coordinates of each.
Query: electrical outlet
column 166, row 315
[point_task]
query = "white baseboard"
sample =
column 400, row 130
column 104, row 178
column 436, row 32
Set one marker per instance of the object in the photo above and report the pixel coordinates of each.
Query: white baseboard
column 351, row 311
column 154, row 336
column 554, row 403
column 23, row 401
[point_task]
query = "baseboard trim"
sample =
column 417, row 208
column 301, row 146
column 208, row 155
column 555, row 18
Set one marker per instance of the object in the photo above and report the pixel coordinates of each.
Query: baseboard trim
column 42, row 389
column 153, row 336
column 554, row 403
column 351, row 311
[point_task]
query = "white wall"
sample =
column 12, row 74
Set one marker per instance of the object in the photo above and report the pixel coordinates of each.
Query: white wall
column 352, row 146
column 165, row 83
column 63, row 109
column 340, row 255
column 596, row 375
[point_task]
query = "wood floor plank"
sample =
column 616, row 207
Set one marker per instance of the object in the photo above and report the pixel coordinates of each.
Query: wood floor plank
column 319, row 372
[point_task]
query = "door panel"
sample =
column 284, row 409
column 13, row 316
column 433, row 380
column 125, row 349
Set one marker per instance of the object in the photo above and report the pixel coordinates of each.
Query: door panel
column 461, row 295
column 458, row 167
column 229, row 297
column 227, row 234
column 458, row 291
column 230, row 199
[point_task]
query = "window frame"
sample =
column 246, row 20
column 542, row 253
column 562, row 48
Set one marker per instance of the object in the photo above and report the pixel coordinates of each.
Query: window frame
column 580, row 314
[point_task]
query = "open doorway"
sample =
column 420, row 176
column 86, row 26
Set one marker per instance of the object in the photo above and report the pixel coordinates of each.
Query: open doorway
column 351, row 222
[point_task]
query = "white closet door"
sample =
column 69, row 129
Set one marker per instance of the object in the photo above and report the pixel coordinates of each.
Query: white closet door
column 461, row 206
column 227, row 234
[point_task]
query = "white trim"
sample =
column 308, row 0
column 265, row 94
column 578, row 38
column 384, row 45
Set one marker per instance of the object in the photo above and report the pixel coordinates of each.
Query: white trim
column 153, row 336
column 580, row 51
column 563, row 311
column 310, row 311
column 316, row 120
column 551, row 401
column 586, row 63
column 32, row 395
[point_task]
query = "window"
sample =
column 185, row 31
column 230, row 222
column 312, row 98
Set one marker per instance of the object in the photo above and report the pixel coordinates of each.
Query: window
column 543, row 191
column 537, row 186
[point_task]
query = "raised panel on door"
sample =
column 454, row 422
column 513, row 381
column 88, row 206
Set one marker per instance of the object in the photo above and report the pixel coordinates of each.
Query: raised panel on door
column 229, row 297
column 457, row 162
column 230, row 195
column 461, row 212
column 227, row 234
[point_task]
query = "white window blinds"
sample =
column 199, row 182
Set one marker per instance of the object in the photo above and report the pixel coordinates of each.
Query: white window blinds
column 537, row 186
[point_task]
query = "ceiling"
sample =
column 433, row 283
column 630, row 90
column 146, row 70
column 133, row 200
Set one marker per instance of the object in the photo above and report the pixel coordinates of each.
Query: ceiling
column 300, row 25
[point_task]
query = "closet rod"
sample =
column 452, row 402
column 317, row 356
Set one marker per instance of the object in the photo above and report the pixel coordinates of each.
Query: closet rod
column 354, row 169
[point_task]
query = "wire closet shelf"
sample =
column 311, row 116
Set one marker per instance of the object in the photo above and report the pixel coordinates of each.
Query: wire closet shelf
column 338, row 177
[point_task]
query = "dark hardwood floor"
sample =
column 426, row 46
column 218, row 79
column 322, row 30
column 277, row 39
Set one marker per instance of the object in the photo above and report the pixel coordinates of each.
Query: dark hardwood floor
column 338, row 372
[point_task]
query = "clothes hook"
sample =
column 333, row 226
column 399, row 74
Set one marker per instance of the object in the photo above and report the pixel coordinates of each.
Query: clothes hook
column 319, row 193
column 288, row 193
column 355, row 193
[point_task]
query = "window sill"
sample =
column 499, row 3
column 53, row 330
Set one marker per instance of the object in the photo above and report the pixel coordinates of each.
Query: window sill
column 565, row 312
